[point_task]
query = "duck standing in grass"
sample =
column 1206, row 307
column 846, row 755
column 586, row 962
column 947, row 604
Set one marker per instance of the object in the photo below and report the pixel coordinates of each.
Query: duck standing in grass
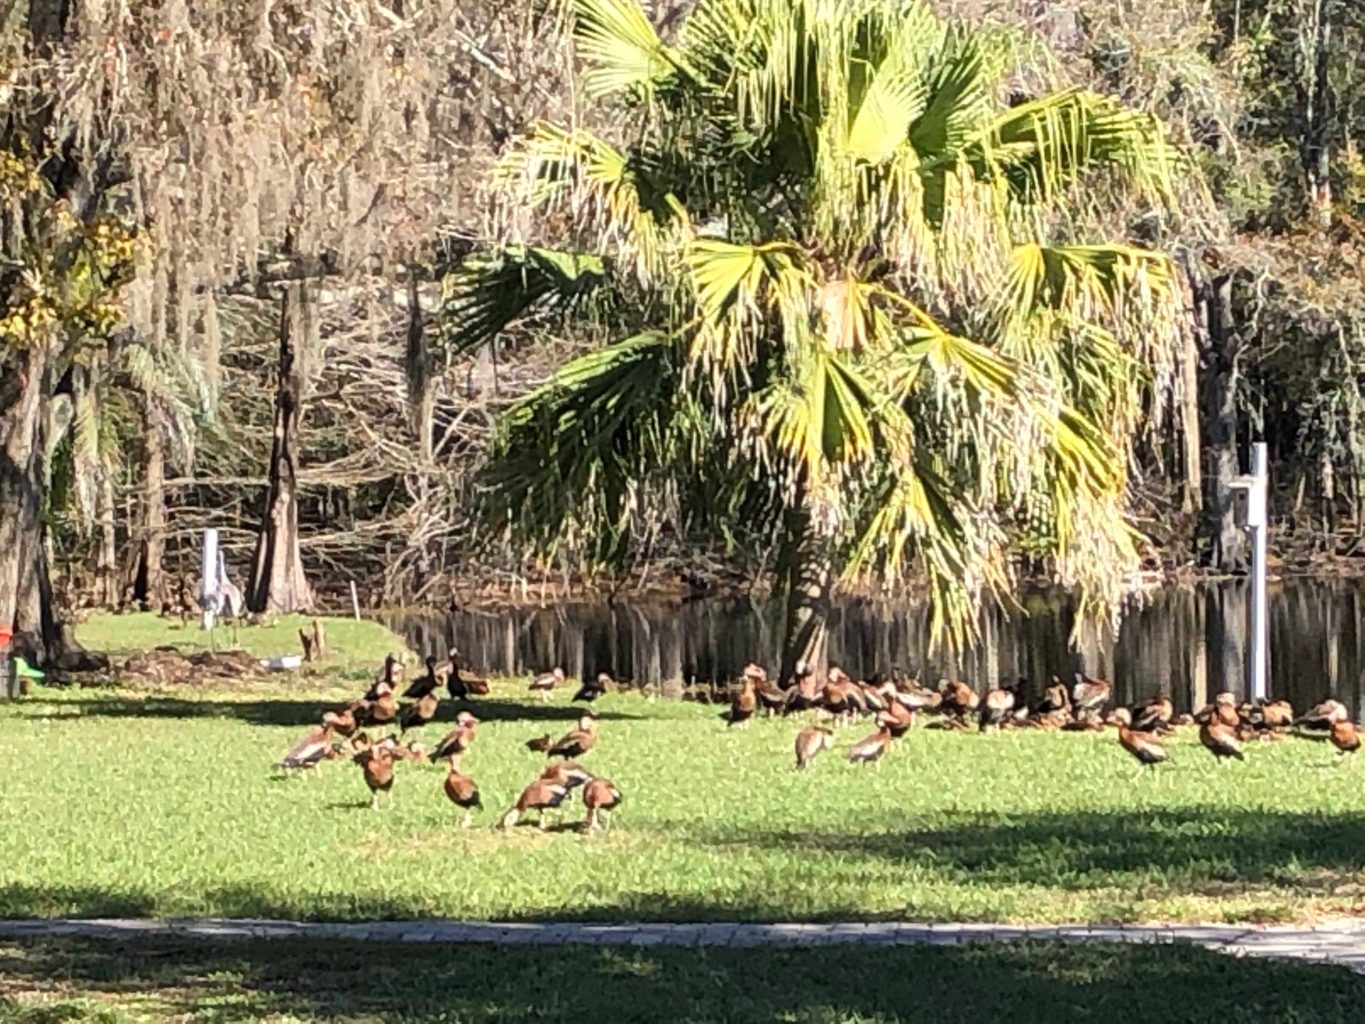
column 376, row 764
column 426, row 683
column 1345, row 737
column 576, row 742
column 344, row 722
column 545, row 683
column 599, row 796
column 1220, row 739
column 459, row 739
column 591, row 690
column 810, row 741
column 419, row 714
column 772, row 699
column 382, row 708
column 1144, row 747
column 540, row 796
column 1318, row 721
column 744, row 703
column 1089, row 696
column 871, row 749
column 569, row 774
column 460, row 686
column 462, row 791
column 308, row 752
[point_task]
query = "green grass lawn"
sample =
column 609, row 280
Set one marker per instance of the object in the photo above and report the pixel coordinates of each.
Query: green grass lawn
column 154, row 804
column 108, row 983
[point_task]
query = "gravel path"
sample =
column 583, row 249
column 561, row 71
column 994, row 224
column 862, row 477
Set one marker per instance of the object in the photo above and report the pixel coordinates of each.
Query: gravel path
column 1340, row 941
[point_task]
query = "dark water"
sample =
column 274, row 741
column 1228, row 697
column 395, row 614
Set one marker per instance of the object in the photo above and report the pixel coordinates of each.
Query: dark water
column 1186, row 642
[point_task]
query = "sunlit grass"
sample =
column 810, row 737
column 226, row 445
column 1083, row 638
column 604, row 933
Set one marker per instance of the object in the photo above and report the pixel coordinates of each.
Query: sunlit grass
column 168, row 805
column 90, row 981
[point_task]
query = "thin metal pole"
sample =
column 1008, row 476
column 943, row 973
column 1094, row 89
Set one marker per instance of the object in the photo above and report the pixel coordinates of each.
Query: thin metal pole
column 1258, row 523
column 208, row 587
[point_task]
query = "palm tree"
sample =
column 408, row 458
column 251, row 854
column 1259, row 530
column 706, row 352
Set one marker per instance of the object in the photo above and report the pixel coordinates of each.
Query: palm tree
column 861, row 304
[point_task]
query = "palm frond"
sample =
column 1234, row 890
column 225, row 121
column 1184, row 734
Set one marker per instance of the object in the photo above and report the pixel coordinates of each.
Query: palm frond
column 492, row 291
column 620, row 46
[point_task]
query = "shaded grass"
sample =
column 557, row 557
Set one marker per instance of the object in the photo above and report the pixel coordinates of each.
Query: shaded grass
column 90, row 981
column 162, row 805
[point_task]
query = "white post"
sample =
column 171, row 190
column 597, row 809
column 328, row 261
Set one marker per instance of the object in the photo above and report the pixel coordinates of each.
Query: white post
column 208, row 586
column 355, row 603
column 1258, row 526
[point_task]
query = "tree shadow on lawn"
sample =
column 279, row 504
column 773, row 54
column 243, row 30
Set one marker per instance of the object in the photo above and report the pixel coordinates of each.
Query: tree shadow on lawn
column 1188, row 848
column 303, row 713
column 311, row 980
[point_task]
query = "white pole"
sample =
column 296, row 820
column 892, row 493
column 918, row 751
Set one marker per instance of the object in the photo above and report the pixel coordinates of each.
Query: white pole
column 208, row 587
column 355, row 603
column 1258, row 524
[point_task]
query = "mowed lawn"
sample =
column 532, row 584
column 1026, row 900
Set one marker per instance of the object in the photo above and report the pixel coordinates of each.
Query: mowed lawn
column 101, row 982
column 158, row 804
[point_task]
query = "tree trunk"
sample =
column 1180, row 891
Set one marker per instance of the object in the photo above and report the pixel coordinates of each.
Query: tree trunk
column 1221, row 376
column 805, row 644
column 277, row 581
column 106, row 570
column 149, row 585
column 1315, row 106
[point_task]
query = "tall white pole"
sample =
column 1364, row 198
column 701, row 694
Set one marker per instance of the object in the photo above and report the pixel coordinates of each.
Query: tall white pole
column 1258, row 524
column 208, row 586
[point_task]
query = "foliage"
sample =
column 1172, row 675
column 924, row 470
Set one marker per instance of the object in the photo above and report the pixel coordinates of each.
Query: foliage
column 860, row 274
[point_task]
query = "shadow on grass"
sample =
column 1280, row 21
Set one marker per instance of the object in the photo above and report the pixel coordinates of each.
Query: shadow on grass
column 303, row 713
column 1189, row 848
column 310, row 981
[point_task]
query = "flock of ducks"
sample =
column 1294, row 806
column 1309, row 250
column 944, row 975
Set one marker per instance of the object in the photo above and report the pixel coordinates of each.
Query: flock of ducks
column 1225, row 725
column 894, row 704
column 341, row 735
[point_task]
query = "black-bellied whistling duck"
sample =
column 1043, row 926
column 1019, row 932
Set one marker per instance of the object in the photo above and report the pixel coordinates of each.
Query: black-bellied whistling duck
column 389, row 677
column 1223, row 711
column 425, row 683
column 591, row 690
column 1055, row 699
column 744, row 703
column 382, row 709
column 599, row 795
column 544, row 683
column 1220, row 739
column 1143, row 746
column 809, row 742
column 461, row 686
column 1268, row 715
column 569, row 774
column 419, row 714
column 870, row 749
column 1089, row 696
column 538, row 744
column 1153, row 715
column 459, row 739
column 997, row 706
column 770, row 698
column 804, row 691
column 1345, row 737
column 539, row 796
column 897, row 716
column 576, row 742
column 462, row 791
column 1321, row 718
column 343, row 722
column 377, row 766
column 957, row 698
column 308, row 752
column 841, row 697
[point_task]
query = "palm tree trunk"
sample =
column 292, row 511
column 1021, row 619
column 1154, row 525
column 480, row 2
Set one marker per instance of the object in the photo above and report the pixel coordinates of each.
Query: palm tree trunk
column 807, row 572
column 148, row 585
column 106, row 568
column 277, row 579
